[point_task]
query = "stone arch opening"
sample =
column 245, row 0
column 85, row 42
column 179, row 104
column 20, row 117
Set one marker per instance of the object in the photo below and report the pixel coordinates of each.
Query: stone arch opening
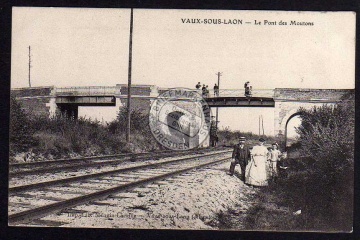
column 296, row 114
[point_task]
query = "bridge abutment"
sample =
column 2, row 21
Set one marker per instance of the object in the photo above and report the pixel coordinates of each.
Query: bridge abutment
column 37, row 100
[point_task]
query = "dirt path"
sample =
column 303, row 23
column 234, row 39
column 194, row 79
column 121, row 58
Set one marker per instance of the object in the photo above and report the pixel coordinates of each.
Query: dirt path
column 191, row 201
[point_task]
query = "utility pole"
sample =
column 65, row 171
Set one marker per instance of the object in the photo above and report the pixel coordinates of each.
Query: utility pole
column 217, row 109
column 29, row 65
column 259, row 125
column 262, row 124
column 129, row 79
column 219, row 74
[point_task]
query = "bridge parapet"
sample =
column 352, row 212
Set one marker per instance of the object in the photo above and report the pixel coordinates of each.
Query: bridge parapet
column 306, row 94
column 32, row 92
column 138, row 90
column 87, row 91
column 36, row 100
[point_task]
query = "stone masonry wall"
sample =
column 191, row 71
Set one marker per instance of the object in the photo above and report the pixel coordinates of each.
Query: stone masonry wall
column 285, row 110
column 38, row 101
column 140, row 90
column 31, row 92
column 310, row 94
column 289, row 100
column 142, row 104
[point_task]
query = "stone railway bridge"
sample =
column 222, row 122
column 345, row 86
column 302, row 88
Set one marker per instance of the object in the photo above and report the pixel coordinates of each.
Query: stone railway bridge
column 285, row 101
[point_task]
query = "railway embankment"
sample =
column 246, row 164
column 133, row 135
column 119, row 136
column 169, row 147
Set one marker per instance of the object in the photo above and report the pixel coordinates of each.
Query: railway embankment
column 195, row 200
column 59, row 137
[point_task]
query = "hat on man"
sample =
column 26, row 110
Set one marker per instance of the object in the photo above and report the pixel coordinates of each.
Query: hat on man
column 242, row 139
column 262, row 140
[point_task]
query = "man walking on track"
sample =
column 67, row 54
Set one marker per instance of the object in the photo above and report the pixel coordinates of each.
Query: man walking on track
column 241, row 155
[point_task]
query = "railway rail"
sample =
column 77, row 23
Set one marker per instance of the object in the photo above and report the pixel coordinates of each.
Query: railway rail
column 31, row 168
column 36, row 200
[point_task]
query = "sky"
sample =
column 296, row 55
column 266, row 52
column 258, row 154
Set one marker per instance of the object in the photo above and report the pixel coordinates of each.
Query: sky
column 89, row 47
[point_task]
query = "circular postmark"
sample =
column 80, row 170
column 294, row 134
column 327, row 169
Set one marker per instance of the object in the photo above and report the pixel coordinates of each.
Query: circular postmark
column 180, row 119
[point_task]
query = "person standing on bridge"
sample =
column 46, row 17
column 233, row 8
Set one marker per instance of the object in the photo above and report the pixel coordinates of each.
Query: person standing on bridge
column 198, row 86
column 207, row 91
column 241, row 156
column 203, row 89
column 248, row 89
column 256, row 171
column 216, row 90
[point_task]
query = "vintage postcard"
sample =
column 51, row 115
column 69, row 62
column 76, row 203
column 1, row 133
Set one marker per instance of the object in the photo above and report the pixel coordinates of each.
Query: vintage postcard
column 182, row 119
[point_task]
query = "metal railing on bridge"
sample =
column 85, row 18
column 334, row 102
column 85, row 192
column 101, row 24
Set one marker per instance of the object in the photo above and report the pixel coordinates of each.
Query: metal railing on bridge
column 86, row 91
column 266, row 93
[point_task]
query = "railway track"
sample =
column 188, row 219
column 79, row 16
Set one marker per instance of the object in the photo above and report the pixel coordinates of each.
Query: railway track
column 34, row 168
column 27, row 202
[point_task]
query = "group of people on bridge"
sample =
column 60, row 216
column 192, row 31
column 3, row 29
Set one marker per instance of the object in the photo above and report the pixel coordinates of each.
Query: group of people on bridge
column 258, row 165
column 206, row 93
column 205, row 90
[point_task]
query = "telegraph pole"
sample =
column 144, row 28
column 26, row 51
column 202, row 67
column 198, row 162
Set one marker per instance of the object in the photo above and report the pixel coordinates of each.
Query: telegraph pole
column 29, row 65
column 217, row 109
column 259, row 125
column 129, row 80
column 262, row 125
column 219, row 74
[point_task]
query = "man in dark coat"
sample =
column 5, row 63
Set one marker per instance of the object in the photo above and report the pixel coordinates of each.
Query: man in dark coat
column 241, row 155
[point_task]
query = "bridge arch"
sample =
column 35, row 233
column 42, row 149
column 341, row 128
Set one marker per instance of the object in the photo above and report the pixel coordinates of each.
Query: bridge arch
column 287, row 120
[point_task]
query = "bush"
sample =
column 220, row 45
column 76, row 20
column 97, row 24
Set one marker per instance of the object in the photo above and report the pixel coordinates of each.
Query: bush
column 327, row 134
column 141, row 136
column 139, row 122
column 319, row 182
column 21, row 131
column 231, row 137
column 61, row 137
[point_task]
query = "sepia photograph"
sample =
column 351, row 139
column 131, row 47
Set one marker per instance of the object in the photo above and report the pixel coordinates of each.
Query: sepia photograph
column 220, row 120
